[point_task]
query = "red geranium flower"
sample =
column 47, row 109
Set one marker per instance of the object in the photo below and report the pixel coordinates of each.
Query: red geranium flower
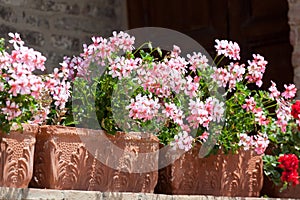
column 290, row 177
column 289, row 163
column 296, row 109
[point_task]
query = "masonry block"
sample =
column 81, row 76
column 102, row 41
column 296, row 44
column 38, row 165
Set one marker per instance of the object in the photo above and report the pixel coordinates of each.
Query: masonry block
column 5, row 29
column 38, row 21
column 7, row 14
column 58, row 6
column 14, row 2
column 65, row 42
column 293, row 14
column 33, row 38
column 99, row 11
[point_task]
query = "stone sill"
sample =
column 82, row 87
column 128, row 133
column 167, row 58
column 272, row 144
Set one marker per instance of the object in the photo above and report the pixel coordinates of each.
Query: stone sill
column 41, row 194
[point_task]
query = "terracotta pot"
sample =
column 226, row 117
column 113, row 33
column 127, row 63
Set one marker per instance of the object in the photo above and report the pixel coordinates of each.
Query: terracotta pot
column 219, row 175
column 16, row 156
column 272, row 190
column 85, row 159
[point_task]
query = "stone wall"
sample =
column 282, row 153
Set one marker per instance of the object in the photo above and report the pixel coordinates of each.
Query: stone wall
column 294, row 22
column 60, row 27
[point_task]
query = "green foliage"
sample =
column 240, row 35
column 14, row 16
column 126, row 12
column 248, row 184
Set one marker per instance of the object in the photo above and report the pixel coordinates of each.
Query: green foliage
column 103, row 98
column 281, row 142
column 28, row 104
column 2, row 45
column 167, row 133
column 271, row 168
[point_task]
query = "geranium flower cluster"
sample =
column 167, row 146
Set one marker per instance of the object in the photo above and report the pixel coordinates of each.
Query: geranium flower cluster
column 254, row 115
column 256, row 69
column 233, row 73
column 296, row 112
column 284, row 137
column 164, row 82
column 143, row 107
column 58, row 86
column 283, row 100
column 100, row 52
column 183, row 141
column 289, row 163
column 228, row 49
column 21, row 89
column 182, row 92
column 166, row 79
column 259, row 142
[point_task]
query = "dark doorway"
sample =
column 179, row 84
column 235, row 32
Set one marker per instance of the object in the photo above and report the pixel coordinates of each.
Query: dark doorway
column 258, row 26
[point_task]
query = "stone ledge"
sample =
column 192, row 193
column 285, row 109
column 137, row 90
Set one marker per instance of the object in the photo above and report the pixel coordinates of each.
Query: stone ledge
column 43, row 194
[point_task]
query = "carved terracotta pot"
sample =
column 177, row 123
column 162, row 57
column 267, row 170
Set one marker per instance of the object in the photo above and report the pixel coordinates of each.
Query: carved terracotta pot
column 85, row 159
column 16, row 156
column 272, row 190
column 219, row 175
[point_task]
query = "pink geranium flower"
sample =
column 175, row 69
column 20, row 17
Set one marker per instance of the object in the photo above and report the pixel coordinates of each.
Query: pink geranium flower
column 11, row 110
column 228, row 49
column 16, row 40
column 23, row 90
column 183, row 141
column 256, row 69
column 290, row 91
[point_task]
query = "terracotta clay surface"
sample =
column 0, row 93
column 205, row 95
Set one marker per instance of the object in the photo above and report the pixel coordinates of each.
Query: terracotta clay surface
column 16, row 156
column 219, row 175
column 85, row 159
column 271, row 190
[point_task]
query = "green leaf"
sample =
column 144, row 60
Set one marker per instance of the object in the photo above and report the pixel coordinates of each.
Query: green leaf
column 284, row 186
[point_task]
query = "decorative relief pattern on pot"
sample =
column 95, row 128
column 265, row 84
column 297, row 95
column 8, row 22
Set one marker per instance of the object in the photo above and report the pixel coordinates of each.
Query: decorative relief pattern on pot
column 220, row 175
column 214, row 174
column 16, row 158
column 78, row 168
column 232, row 170
column 97, row 175
column 58, row 169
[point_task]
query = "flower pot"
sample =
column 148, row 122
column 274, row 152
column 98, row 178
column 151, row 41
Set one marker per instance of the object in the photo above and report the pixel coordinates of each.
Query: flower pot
column 271, row 190
column 85, row 159
column 219, row 175
column 16, row 156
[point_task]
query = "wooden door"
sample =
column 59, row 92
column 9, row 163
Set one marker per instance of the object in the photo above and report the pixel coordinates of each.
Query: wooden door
column 258, row 26
column 194, row 18
column 262, row 27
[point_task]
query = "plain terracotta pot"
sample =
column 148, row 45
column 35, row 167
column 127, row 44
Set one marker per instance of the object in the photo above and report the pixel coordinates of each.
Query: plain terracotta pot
column 16, row 156
column 219, row 175
column 85, row 159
